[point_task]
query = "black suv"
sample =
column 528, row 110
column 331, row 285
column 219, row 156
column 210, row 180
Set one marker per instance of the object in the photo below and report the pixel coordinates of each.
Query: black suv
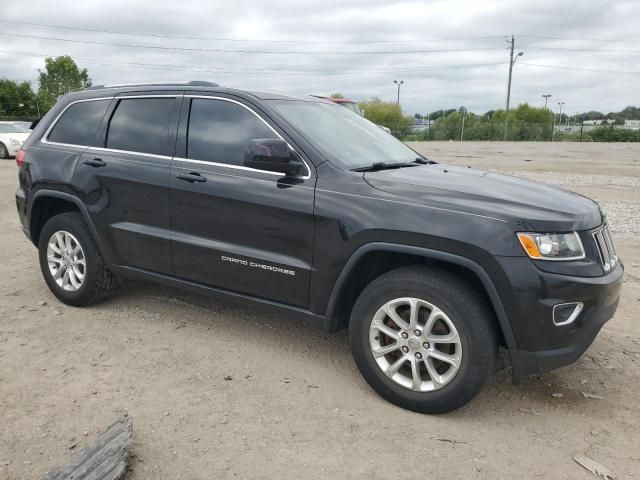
column 298, row 204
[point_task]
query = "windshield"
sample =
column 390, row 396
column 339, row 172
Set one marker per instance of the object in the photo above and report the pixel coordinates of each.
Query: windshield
column 12, row 128
column 343, row 135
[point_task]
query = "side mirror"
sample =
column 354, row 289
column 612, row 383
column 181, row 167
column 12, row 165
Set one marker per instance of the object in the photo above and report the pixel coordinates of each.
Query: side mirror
column 271, row 155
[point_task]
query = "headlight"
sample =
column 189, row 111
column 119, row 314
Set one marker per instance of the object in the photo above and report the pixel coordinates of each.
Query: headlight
column 15, row 143
column 552, row 246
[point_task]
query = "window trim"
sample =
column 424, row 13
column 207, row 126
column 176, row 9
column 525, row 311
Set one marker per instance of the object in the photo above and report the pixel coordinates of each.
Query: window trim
column 45, row 135
column 44, row 140
column 241, row 167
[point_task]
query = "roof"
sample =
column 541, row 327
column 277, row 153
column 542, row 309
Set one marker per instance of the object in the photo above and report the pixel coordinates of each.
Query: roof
column 194, row 85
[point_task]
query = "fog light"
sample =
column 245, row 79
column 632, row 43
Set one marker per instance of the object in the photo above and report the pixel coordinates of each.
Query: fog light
column 566, row 313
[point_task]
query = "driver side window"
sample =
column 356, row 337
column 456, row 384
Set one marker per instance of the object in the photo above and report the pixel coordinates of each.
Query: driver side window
column 219, row 131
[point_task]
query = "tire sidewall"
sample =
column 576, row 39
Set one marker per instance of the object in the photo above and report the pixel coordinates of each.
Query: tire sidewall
column 4, row 151
column 472, row 370
column 73, row 224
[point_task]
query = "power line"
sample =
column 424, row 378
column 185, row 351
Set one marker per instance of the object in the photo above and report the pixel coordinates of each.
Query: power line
column 578, row 49
column 607, row 40
column 259, row 71
column 219, row 50
column 228, row 39
column 625, row 72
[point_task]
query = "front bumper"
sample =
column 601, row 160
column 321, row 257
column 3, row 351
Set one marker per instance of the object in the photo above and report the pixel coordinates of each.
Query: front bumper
column 540, row 344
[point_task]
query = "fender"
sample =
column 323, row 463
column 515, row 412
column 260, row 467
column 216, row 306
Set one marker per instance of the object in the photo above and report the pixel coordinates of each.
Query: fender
column 70, row 198
column 484, row 277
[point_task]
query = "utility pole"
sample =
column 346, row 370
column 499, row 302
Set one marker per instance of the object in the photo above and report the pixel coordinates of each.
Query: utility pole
column 546, row 97
column 398, row 83
column 464, row 111
column 512, row 61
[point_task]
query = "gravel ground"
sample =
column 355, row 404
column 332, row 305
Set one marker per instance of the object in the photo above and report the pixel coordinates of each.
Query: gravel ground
column 227, row 392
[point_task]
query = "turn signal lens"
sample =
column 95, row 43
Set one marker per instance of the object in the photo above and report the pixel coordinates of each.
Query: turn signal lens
column 529, row 245
column 552, row 246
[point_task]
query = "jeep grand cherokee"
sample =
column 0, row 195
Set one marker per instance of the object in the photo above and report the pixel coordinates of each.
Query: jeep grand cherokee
column 298, row 204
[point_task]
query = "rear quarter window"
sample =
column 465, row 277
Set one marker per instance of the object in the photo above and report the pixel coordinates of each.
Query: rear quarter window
column 79, row 123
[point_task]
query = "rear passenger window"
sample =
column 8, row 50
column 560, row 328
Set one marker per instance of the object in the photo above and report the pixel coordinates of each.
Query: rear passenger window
column 141, row 125
column 79, row 123
column 219, row 131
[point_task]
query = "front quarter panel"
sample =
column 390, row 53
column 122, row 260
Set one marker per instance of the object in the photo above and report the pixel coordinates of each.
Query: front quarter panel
column 350, row 213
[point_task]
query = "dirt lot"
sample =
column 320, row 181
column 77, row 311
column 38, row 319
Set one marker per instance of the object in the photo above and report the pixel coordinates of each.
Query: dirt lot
column 293, row 404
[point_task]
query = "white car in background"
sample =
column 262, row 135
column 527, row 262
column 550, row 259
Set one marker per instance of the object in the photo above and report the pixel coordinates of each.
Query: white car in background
column 12, row 137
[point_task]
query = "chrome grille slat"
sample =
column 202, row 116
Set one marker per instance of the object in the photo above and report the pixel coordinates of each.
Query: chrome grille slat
column 606, row 250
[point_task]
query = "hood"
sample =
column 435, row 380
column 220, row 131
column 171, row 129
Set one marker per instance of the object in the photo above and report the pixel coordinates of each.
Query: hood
column 540, row 207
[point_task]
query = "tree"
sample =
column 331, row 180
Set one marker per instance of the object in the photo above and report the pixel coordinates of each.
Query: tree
column 337, row 95
column 387, row 114
column 60, row 76
column 17, row 99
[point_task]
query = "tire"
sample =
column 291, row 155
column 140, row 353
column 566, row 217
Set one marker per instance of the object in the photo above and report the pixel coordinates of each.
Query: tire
column 456, row 304
column 97, row 282
column 4, row 152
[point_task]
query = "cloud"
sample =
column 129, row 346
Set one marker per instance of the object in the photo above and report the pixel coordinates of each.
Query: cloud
column 473, row 72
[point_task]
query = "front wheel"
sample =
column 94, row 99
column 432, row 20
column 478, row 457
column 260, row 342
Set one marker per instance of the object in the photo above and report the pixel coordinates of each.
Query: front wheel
column 423, row 339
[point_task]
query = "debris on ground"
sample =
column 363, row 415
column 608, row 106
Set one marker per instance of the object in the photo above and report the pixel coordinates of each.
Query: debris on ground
column 557, row 395
column 228, row 377
column 594, row 467
column 105, row 459
column 592, row 395
column 530, row 410
column 447, row 440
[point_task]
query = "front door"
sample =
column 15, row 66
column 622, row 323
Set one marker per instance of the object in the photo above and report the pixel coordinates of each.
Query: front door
column 233, row 227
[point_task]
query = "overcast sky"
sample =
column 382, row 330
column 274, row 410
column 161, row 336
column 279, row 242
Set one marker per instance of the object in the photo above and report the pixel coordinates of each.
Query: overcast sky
column 449, row 53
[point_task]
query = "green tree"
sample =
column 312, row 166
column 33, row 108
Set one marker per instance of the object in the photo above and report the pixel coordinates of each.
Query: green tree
column 17, row 99
column 60, row 76
column 387, row 114
column 337, row 95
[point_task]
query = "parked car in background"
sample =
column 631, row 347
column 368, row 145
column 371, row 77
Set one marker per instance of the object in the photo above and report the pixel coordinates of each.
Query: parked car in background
column 27, row 125
column 12, row 136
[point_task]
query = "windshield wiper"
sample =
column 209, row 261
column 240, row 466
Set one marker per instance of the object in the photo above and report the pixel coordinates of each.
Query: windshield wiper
column 424, row 161
column 376, row 167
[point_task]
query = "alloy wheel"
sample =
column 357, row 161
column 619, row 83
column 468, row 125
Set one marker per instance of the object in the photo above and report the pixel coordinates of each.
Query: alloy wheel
column 415, row 344
column 66, row 260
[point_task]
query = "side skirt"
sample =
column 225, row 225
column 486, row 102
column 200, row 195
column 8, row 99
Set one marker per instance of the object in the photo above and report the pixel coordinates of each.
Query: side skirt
column 294, row 313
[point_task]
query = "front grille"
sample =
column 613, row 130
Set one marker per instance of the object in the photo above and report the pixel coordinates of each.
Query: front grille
column 606, row 250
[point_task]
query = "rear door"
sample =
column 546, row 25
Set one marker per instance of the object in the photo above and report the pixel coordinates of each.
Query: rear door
column 124, row 180
column 234, row 227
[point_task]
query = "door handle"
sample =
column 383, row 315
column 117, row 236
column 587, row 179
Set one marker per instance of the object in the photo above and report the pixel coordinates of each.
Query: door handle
column 191, row 177
column 95, row 162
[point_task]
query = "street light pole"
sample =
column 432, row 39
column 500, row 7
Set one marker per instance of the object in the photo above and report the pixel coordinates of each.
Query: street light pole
column 560, row 104
column 512, row 61
column 398, row 83
column 546, row 97
column 464, row 111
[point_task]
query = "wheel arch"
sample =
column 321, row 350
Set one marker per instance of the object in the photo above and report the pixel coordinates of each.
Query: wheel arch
column 47, row 203
column 339, row 299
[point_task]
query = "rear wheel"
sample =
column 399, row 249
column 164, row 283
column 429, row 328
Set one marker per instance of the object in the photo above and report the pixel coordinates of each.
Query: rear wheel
column 4, row 153
column 70, row 261
column 423, row 339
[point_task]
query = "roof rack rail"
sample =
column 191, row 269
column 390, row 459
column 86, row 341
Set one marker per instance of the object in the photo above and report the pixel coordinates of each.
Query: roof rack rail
column 192, row 83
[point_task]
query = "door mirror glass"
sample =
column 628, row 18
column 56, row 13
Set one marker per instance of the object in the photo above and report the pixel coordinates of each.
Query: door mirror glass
column 272, row 155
